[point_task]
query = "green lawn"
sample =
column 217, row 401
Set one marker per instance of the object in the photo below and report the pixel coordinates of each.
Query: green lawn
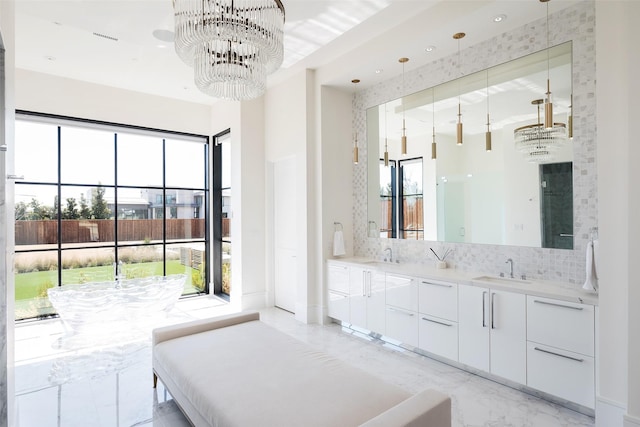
column 35, row 284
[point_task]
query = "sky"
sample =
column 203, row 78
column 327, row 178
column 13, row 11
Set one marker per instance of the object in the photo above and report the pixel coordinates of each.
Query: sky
column 88, row 158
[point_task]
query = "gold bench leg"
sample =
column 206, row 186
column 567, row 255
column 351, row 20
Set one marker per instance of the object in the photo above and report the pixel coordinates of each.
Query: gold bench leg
column 155, row 380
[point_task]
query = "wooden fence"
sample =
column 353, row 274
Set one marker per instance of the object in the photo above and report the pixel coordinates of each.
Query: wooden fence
column 102, row 230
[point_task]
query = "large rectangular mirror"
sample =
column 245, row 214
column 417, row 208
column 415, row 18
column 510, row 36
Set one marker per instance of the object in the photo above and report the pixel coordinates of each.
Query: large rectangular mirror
column 519, row 193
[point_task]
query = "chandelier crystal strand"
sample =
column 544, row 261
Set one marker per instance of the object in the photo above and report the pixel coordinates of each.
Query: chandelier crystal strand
column 536, row 143
column 232, row 44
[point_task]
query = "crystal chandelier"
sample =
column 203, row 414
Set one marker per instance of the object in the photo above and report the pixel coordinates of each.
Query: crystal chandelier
column 231, row 44
column 538, row 143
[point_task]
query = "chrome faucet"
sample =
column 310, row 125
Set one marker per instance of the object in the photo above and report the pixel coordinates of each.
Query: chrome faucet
column 390, row 254
column 510, row 262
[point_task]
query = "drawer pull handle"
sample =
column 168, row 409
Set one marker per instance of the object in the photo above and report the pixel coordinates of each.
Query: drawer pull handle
column 435, row 321
column 558, row 354
column 444, row 285
column 558, row 305
column 399, row 311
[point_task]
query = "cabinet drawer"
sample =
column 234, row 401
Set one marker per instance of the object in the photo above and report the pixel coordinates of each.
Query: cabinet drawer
column 439, row 336
column 338, row 278
column 401, row 292
column 402, row 325
column 561, row 324
column 338, row 306
column 561, row 373
column 439, row 299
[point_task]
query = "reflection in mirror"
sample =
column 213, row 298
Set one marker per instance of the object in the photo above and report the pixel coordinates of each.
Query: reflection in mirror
column 493, row 192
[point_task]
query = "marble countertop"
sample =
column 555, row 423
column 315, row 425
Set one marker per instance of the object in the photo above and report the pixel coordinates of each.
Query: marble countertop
column 543, row 288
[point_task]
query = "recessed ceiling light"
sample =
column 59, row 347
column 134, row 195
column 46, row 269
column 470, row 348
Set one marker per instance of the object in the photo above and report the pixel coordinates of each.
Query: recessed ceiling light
column 379, row 71
column 429, row 48
column 164, row 35
column 499, row 18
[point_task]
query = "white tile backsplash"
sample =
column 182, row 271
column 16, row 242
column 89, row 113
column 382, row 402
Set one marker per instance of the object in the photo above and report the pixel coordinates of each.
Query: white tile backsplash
column 575, row 23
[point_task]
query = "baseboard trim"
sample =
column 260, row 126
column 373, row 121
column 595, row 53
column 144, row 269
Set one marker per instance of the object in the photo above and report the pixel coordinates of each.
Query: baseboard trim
column 254, row 301
column 630, row 421
column 609, row 413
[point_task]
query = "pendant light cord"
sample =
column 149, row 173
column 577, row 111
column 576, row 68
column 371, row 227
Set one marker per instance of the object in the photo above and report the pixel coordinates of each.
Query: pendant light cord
column 548, row 57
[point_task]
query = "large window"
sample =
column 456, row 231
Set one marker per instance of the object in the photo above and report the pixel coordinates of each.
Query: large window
column 411, row 218
column 401, row 199
column 95, row 194
column 388, row 197
column 222, row 213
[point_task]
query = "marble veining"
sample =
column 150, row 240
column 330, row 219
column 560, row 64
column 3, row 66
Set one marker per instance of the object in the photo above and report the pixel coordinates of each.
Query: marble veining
column 125, row 397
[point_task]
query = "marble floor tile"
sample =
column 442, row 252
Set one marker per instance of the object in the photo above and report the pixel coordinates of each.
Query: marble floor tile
column 111, row 385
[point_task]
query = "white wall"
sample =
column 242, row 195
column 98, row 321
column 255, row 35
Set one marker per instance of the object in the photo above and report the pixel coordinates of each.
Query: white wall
column 337, row 164
column 7, row 106
column 50, row 94
column 618, row 64
column 288, row 123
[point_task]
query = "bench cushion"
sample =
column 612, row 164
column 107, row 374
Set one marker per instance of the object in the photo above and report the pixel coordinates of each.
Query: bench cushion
column 251, row 374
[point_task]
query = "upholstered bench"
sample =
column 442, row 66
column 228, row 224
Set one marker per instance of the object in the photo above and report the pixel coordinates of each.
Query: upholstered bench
column 235, row 370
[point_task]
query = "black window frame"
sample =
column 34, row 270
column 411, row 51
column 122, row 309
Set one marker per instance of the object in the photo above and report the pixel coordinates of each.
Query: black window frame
column 61, row 121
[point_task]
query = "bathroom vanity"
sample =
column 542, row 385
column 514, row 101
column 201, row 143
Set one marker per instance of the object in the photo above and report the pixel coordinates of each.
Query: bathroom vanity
column 537, row 336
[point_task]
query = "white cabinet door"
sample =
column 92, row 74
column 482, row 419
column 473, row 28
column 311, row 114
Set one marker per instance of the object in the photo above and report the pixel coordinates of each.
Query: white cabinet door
column 402, row 325
column 376, row 302
column 438, row 336
column 338, row 278
column 439, row 299
column 338, row 306
column 338, row 292
column 561, row 324
column 561, row 373
column 401, row 292
column 358, row 291
column 473, row 326
column 508, row 335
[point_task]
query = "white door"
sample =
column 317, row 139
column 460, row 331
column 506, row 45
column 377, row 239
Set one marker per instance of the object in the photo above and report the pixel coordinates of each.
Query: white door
column 359, row 279
column 285, row 251
column 376, row 303
column 473, row 326
column 508, row 335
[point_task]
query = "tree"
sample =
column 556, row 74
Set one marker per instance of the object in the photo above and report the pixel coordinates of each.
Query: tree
column 85, row 212
column 99, row 209
column 71, row 211
column 21, row 211
column 38, row 211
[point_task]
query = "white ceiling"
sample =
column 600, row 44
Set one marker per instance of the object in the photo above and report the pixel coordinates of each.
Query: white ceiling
column 343, row 40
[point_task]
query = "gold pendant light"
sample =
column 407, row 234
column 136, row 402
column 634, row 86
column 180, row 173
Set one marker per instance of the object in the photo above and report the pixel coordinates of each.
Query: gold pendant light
column 404, row 129
column 548, row 104
column 386, row 147
column 433, row 118
column 458, row 36
column 570, row 119
column 487, row 135
column 355, row 133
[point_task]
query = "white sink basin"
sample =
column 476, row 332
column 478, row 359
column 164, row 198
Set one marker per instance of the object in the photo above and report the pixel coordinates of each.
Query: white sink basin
column 500, row 280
